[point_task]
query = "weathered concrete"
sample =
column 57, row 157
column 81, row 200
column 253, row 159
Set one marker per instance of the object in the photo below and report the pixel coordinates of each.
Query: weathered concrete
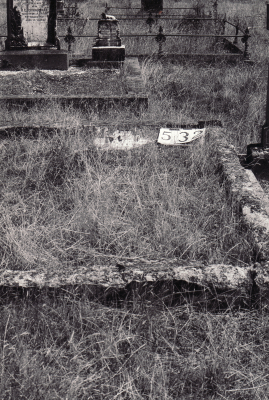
column 135, row 98
column 31, row 59
column 246, row 194
column 118, row 274
column 99, row 103
column 215, row 285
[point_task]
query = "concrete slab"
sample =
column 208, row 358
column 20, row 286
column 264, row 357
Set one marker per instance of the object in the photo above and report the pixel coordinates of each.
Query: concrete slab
column 31, row 59
column 108, row 53
column 135, row 97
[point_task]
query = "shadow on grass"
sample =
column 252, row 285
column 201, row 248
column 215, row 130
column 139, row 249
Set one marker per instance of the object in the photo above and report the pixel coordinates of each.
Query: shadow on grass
column 161, row 293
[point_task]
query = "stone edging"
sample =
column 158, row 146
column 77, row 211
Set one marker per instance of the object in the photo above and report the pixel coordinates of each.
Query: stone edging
column 233, row 281
column 221, row 283
column 246, row 193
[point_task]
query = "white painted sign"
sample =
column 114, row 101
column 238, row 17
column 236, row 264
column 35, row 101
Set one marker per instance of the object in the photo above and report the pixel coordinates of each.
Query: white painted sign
column 179, row 136
column 121, row 140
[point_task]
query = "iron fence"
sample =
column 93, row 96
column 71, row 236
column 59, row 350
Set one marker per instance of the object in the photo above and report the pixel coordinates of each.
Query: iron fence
column 138, row 44
column 75, row 30
column 194, row 29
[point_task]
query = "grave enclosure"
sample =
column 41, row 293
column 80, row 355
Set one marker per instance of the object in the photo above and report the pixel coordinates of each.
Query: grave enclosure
column 32, row 42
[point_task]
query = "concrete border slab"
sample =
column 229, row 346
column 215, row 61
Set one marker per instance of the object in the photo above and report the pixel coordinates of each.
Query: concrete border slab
column 136, row 96
column 245, row 192
column 218, row 283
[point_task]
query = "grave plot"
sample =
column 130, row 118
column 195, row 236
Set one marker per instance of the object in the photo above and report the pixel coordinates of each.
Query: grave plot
column 71, row 200
column 68, row 305
column 81, row 87
column 171, row 94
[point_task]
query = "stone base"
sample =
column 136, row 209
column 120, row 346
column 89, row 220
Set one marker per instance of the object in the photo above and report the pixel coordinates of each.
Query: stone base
column 137, row 102
column 152, row 5
column 31, row 59
column 89, row 63
column 108, row 53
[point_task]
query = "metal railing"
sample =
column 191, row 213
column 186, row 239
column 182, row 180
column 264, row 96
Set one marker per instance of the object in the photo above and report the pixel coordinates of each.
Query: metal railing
column 161, row 39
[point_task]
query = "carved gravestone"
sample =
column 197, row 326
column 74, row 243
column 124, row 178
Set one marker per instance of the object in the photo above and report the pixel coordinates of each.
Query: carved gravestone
column 108, row 45
column 31, row 30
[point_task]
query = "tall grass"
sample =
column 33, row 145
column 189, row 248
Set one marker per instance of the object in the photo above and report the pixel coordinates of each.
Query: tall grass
column 70, row 349
column 233, row 94
column 64, row 203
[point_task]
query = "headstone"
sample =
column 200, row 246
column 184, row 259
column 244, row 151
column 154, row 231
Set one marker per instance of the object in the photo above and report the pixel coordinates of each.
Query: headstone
column 152, row 5
column 108, row 45
column 31, row 24
column 3, row 22
column 31, row 29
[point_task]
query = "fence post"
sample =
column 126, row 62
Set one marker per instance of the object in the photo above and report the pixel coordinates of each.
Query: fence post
column 215, row 14
column 150, row 22
column 223, row 22
column 245, row 41
column 69, row 38
column 160, row 39
column 236, row 33
column 215, row 9
column 265, row 128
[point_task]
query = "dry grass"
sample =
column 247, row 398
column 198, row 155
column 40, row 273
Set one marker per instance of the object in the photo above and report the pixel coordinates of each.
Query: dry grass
column 71, row 349
column 233, row 94
column 61, row 203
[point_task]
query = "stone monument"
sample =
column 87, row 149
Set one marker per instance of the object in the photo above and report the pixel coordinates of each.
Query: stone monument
column 32, row 41
column 152, row 5
column 108, row 45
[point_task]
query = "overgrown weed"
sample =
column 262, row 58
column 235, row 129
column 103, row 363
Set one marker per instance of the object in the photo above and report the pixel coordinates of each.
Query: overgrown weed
column 76, row 349
column 61, row 198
